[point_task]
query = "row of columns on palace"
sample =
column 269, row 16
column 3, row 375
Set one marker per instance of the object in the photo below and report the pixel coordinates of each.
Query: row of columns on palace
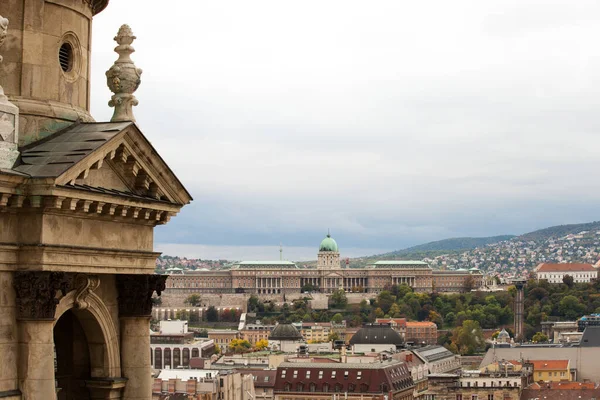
column 36, row 294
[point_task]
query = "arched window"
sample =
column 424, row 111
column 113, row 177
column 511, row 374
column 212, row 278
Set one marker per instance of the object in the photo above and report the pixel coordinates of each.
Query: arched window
column 364, row 387
column 313, row 387
column 158, row 358
column 195, row 352
column 185, row 357
column 326, row 387
column 168, row 359
column 338, row 387
column 287, row 386
column 299, row 387
column 176, row 358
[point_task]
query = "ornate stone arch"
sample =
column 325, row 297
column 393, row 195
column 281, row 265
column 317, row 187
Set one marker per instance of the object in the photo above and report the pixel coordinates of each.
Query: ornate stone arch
column 98, row 325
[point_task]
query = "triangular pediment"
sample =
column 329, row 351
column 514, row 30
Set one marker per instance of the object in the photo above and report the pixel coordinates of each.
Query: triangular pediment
column 333, row 275
column 126, row 163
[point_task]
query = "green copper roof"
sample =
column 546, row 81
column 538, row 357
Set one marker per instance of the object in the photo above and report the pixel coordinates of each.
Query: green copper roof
column 265, row 264
column 328, row 244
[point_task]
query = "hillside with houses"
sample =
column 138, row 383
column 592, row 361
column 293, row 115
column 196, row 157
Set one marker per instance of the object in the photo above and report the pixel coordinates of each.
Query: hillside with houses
column 518, row 256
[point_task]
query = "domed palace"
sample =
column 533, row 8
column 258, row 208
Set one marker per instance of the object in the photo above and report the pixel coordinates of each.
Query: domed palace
column 286, row 277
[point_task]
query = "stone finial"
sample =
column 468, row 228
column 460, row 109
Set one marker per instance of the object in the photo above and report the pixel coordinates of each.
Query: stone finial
column 9, row 118
column 123, row 77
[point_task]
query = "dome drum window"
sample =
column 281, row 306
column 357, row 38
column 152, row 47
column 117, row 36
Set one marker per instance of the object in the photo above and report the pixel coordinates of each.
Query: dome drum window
column 65, row 57
column 69, row 57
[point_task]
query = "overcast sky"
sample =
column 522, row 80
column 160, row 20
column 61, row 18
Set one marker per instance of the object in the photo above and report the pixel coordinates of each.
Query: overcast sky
column 392, row 122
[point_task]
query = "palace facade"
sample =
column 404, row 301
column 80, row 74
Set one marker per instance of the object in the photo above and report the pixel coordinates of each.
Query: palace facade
column 286, row 277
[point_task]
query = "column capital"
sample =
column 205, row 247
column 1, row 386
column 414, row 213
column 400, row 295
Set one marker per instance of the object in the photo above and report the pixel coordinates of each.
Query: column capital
column 36, row 293
column 135, row 293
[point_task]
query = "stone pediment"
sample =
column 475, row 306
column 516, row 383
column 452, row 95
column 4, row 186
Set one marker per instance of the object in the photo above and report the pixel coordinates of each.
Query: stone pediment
column 109, row 156
column 333, row 275
column 107, row 169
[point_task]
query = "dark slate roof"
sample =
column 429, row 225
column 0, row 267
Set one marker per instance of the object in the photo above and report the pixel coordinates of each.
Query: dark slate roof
column 112, row 192
column 376, row 334
column 590, row 337
column 285, row 332
column 54, row 155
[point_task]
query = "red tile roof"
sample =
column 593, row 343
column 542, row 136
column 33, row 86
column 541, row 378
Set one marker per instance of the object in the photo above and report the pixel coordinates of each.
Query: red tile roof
column 565, row 267
column 424, row 324
column 550, row 365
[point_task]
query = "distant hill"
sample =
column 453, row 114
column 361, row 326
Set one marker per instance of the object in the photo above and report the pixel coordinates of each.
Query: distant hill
column 448, row 245
column 559, row 231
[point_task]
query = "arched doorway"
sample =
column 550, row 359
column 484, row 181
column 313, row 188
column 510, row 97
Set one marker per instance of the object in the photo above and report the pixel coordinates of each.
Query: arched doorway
column 72, row 358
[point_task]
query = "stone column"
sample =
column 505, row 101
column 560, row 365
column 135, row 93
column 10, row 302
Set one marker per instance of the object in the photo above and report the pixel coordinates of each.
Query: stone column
column 36, row 305
column 135, row 307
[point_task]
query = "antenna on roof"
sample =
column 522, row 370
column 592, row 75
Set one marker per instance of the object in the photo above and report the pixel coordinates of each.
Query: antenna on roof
column 328, row 234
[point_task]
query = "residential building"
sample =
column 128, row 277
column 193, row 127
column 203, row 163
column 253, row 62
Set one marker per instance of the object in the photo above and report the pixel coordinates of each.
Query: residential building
column 255, row 332
column 264, row 382
column 418, row 370
column 554, row 273
column 223, row 337
column 322, row 381
column 562, row 391
column 375, row 338
column 316, row 332
column 421, row 332
column 477, row 385
column 551, row 370
column 583, row 358
column 412, row 331
column 203, row 384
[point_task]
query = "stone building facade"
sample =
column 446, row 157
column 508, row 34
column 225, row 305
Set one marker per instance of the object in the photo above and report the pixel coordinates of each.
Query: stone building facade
column 344, row 380
column 79, row 201
column 285, row 277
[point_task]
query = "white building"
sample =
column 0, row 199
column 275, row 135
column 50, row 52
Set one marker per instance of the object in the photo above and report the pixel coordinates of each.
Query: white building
column 173, row 327
column 554, row 273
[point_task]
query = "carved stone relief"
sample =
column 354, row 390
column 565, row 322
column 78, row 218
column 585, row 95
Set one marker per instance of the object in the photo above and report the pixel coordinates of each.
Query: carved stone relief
column 135, row 293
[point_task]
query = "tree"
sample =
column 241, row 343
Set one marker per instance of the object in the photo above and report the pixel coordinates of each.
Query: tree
column 570, row 307
column 193, row 300
column 212, row 315
column 203, row 332
column 309, row 288
column 239, row 345
column 333, row 336
column 217, row 349
column 338, row 299
column 385, row 299
column 468, row 338
column 262, row 344
column 469, row 283
column 255, row 305
column 539, row 337
column 182, row 315
column 568, row 280
column 337, row 318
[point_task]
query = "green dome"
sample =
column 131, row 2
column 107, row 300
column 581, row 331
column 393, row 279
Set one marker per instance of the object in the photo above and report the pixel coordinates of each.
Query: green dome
column 328, row 244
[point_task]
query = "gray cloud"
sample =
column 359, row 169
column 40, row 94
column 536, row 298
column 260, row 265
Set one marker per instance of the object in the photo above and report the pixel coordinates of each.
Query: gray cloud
column 391, row 123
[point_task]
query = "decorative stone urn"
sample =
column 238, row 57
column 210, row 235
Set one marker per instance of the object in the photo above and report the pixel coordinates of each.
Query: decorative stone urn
column 123, row 77
column 9, row 118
